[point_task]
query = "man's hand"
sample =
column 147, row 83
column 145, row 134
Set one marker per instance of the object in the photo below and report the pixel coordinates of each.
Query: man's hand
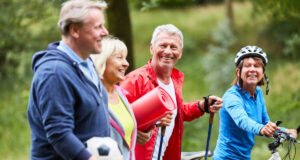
column 269, row 129
column 93, row 158
column 293, row 132
column 166, row 120
column 217, row 105
column 144, row 136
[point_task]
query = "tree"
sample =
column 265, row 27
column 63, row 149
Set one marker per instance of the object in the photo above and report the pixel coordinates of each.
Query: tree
column 119, row 25
column 229, row 11
column 283, row 29
column 17, row 38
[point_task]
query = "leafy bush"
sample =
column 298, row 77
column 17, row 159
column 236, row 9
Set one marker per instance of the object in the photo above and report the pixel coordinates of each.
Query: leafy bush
column 283, row 30
column 292, row 46
column 218, row 63
column 23, row 32
column 150, row 4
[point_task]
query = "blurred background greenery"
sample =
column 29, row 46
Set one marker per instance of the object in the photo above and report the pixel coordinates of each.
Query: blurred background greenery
column 214, row 30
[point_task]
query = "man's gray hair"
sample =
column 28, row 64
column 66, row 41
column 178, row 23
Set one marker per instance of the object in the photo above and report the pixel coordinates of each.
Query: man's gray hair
column 75, row 12
column 167, row 28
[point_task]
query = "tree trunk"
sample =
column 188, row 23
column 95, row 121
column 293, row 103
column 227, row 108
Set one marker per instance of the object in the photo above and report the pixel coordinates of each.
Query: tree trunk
column 119, row 25
column 229, row 11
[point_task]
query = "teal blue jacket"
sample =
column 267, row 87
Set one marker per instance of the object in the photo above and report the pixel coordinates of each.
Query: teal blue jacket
column 241, row 118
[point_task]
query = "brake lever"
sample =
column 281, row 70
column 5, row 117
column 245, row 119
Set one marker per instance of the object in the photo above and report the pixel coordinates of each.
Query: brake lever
column 279, row 122
column 298, row 129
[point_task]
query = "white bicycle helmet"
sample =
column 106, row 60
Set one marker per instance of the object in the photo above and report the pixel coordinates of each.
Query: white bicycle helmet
column 251, row 51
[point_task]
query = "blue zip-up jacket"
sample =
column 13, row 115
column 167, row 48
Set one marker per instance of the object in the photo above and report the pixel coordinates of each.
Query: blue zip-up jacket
column 241, row 118
column 65, row 108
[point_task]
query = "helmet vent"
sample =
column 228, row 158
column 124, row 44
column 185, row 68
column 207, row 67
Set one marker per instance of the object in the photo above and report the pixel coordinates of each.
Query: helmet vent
column 251, row 51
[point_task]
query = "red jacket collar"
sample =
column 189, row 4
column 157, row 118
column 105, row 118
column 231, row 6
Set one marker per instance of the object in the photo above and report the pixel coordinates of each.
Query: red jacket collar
column 176, row 74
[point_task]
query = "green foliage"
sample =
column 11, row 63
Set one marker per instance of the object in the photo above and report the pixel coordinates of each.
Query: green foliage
column 288, row 89
column 14, row 129
column 167, row 4
column 279, row 9
column 205, row 36
column 150, row 4
column 13, row 31
column 219, row 76
column 283, row 27
column 292, row 46
column 19, row 20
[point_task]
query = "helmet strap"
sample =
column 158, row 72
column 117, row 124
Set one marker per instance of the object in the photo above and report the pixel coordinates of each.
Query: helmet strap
column 240, row 81
column 267, row 79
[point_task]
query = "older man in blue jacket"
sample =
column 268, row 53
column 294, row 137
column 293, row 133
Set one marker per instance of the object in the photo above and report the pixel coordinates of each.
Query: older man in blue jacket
column 68, row 104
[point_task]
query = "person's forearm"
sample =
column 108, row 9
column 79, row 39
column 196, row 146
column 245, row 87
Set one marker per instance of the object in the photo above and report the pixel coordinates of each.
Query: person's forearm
column 69, row 147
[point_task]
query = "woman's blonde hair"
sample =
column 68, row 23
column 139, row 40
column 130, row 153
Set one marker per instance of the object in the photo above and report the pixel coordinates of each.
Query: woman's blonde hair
column 110, row 46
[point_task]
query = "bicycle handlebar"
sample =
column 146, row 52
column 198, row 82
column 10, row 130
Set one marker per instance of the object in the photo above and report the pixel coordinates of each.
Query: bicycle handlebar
column 280, row 137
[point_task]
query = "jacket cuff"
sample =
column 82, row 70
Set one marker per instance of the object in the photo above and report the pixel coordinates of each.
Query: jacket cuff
column 84, row 154
column 199, row 106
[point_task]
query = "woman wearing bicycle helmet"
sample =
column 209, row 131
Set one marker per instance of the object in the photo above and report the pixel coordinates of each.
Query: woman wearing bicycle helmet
column 244, row 112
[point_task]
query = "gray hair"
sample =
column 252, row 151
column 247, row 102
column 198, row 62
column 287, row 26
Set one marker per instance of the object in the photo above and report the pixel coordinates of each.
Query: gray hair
column 110, row 46
column 167, row 28
column 75, row 12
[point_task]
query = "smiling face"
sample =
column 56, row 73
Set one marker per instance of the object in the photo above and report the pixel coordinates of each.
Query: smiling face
column 91, row 33
column 252, row 72
column 116, row 66
column 166, row 51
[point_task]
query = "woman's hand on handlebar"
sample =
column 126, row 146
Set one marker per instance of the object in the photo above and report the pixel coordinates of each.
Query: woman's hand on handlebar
column 293, row 132
column 269, row 129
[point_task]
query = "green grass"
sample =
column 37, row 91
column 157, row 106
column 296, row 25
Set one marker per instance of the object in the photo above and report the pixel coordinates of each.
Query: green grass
column 14, row 128
column 196, row 23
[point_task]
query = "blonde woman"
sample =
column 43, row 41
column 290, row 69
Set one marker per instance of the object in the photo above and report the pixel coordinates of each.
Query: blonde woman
column 111, row 65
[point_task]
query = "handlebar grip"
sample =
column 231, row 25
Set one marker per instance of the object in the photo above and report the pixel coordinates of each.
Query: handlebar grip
column 298, row 129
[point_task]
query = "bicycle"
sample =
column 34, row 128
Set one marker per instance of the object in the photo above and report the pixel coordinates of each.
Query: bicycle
column 281, row 137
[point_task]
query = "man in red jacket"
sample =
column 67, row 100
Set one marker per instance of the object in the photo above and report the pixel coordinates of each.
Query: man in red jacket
column 166, row 49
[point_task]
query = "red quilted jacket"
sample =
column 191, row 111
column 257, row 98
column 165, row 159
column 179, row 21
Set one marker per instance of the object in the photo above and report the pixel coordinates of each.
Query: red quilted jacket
column 140, row 82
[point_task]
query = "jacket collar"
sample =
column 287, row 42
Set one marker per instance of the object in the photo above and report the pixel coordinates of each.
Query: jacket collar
column 176, row 74
column 245, row 93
